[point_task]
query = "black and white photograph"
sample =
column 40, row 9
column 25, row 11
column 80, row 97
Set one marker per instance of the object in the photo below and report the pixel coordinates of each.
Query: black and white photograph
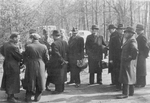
column 74, row 51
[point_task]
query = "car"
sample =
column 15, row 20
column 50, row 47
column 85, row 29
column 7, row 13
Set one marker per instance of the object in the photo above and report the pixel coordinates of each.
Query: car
column 84, row 34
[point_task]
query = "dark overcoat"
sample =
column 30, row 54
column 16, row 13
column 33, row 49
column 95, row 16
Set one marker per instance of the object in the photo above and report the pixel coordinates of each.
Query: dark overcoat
column 128, row 62
column 94, row 49
column 11, row 77
column 36, row 55
column 111, row 44
column 57, row 70
column 115, row 51
column 143, row 54
column 75, row 52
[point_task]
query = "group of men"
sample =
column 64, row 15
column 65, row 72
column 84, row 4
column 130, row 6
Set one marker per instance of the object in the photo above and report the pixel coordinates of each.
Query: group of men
column 128, row 51
column 60, row 57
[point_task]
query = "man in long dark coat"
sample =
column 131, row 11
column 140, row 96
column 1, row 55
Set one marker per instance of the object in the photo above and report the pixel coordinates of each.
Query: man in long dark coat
column 113, row 32
column 75, row 52
column 143, row 54
column 116, row 43
column 36, row 55
column 57, row 66
column 128, row 64
column 11, row 78
column 94, row 49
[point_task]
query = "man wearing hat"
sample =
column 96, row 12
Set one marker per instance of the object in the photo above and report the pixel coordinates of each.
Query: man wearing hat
column 116, row 43
column 75, row 52
column 143, row 54
column 57, row 65
column 128, row 64
column 113, row 33
column 94, row 48
column 11, row 79
column 36, row 55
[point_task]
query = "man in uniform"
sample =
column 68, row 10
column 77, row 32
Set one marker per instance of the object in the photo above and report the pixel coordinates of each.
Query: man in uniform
column 11, row 77
column 128, row 64
column 36, row 55
column 94, row 48
column 143, row 54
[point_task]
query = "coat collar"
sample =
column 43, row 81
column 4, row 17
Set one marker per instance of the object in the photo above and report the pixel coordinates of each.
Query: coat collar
column 127, row 41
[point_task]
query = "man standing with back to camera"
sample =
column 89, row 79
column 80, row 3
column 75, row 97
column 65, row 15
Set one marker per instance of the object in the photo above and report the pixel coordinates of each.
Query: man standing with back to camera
column 94, row 48
column 36, row 55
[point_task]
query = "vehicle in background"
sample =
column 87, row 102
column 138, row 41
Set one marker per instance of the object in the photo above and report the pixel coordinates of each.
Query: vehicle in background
column 84, row 34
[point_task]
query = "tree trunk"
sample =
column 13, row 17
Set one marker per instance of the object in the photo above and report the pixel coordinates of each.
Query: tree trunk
column 145, row 24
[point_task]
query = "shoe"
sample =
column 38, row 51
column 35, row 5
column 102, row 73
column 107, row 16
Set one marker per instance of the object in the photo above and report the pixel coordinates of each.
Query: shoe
column 77, row 85
column 99, row 83
column 122, row 97
column 70, row 82
column 112, row 84
column 56, row 92
column 11, row 100
column 37, row 97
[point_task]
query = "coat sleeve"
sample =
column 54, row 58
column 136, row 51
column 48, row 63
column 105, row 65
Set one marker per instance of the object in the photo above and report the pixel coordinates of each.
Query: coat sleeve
column 2, row 50
column 133, row 51
column 87, row 43
column 46, row 55
column 16, row 54
column 144, row 46
column 81, row 48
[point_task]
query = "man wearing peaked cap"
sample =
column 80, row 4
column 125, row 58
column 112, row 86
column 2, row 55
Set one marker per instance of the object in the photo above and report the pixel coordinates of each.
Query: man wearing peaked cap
column 143, row 54
column 128, row 64
column 111, row 26
column 37, row 56
column 95, row 27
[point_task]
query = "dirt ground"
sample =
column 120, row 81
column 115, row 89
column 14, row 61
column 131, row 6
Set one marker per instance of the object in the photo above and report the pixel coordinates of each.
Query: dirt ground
column 89, row 93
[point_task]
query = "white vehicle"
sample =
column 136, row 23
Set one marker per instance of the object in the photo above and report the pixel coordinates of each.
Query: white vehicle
column 84, row 34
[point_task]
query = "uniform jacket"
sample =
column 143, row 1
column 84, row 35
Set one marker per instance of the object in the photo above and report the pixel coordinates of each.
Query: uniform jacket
column 56, row 68
column 94, row 49
column 11, row 78
column 143, row 54
column 128, row 62
column 36, row 55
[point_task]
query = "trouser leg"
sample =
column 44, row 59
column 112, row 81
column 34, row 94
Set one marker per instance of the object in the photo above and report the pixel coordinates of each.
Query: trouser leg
column 77, row 76
column 125, row 89
column 38, row 92
column 59, row 87
column 118, row 84
column 91, row 78
column 131, row 90
column 99, row 77
column 112, row 77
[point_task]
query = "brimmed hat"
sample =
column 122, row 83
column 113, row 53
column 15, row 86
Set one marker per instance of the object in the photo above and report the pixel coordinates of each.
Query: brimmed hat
column 139, row 27
column 74, row 30
column 130, row 30
column 111, row 26
column 120, row 26
column 35, row 36
column 94, row 27
column 56, row 33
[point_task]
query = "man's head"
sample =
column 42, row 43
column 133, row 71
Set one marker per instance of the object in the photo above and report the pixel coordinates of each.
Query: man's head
column 129, row 32
column 31, row 31
column 120, row 28
column 139, row 29
column 15, row 37
column 94, row 29
column 56, row 35
column 34, row 36
column 74, row 31
column 111, row 28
